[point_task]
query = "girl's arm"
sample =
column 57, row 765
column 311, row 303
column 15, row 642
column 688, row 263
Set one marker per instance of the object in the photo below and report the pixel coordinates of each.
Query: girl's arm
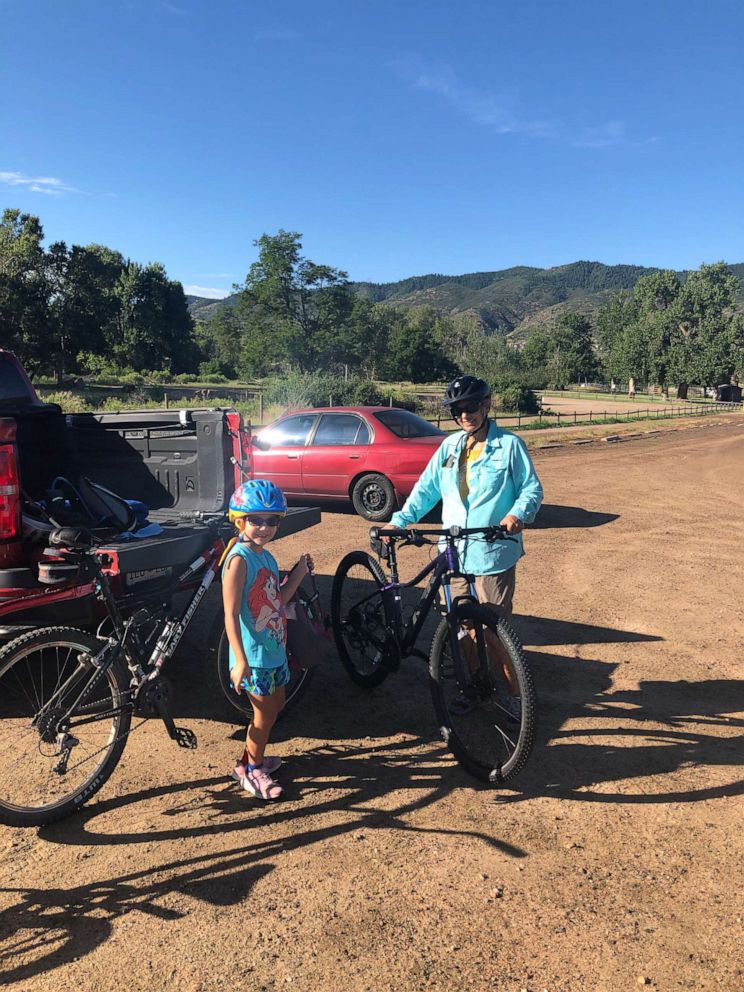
column 233, row 587
column 295, row 577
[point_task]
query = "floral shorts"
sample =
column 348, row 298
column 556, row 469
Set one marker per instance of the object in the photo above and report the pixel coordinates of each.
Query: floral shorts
column 265, row 681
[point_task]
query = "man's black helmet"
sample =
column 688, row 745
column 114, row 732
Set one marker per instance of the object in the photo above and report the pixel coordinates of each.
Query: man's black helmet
column 466, row 389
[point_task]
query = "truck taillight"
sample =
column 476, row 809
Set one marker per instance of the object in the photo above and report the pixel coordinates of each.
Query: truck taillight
column 10, row 494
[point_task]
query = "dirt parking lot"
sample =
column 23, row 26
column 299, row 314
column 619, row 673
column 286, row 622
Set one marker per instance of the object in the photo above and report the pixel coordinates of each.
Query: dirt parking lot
column 615, row 861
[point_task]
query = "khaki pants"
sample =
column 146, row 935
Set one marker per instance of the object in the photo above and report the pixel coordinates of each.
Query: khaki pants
column 497, row 589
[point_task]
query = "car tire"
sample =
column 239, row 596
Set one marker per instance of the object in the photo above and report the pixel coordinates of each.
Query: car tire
column 373, row 497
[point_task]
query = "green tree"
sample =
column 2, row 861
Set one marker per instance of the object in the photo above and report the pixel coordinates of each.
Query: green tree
column 561, row 353
column 490, row 357
column 292, row 308
column 703, row 342
column 84, row 303
column 414, row 347
column 155, row 327
column 25, row 290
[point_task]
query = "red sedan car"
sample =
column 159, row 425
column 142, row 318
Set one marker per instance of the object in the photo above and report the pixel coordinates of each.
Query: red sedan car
column 370, row 454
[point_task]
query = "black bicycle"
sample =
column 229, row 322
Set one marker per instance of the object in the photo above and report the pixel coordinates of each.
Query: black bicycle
column 67, row 696
column 481, row 685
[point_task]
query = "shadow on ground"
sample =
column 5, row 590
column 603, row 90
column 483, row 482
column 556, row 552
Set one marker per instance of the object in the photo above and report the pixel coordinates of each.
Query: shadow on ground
column 555, row 517
column 640, row 735
column 339, row 785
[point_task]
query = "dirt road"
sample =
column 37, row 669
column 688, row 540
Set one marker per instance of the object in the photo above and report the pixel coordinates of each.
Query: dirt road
column 614, row 862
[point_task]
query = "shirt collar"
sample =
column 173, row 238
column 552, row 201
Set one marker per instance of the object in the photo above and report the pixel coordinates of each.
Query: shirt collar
column 493, row 438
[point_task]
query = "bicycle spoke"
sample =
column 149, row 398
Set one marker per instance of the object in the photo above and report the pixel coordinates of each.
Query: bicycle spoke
column 45, row 759
column 483, row 694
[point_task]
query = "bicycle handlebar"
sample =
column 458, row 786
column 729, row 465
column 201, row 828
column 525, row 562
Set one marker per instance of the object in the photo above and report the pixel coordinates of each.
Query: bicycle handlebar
column 412, row 534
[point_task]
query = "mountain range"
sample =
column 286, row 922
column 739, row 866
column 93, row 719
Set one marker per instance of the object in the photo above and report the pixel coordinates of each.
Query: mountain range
column 509, row 301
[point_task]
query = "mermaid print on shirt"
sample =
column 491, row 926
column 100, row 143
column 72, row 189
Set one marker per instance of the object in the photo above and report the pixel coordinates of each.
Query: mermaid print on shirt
column 266, row 608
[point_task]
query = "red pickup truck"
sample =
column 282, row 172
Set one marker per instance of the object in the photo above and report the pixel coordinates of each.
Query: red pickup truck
column 183, row 464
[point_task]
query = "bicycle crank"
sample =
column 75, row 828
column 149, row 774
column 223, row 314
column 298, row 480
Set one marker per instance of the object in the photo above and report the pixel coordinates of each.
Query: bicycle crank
column 153, row 699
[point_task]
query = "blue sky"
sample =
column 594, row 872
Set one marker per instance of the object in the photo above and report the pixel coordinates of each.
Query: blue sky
column 399, row 138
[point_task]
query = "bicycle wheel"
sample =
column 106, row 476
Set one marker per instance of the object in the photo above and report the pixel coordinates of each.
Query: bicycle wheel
column 358, row 618
column 42, row 674
column 299, row 678
column 473, row 691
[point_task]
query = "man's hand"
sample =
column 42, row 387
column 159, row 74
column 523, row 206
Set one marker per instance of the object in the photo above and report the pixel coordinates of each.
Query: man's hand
column 513, row 524
column 386, row 540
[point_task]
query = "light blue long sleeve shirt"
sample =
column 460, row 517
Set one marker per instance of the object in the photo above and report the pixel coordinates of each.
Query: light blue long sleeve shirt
column 502, row 480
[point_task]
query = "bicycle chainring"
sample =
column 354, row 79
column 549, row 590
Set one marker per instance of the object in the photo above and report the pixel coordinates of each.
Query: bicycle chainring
column 148, row 695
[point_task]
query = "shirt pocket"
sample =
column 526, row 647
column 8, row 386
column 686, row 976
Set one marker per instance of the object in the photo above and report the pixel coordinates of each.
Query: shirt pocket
column 492, row 478
column 450, row 480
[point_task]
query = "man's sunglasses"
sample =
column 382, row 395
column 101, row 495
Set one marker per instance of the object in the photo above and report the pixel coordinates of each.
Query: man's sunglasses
column 263, row 521
column 460, row 408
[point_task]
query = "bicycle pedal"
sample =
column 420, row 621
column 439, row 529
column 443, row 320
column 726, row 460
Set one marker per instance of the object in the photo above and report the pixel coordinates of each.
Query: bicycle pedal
column 186, row 738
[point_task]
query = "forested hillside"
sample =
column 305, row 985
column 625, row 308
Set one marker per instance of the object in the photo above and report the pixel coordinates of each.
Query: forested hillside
column 512, row 301
column 88, row 310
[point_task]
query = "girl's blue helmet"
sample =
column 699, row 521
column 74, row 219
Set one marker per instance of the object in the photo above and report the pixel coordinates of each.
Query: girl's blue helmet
column 257, row 496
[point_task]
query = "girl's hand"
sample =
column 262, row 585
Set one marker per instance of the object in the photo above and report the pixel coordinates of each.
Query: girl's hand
column 237, row 673
column 305, row 565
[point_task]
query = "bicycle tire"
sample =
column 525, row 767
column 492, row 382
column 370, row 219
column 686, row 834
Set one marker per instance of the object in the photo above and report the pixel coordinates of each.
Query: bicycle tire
column 34, row 668
column 240, row 703
column 471, row 708
column 359, row 631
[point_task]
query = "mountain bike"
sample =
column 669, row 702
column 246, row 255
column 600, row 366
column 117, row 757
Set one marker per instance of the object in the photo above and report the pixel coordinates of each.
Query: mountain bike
column 481, row 685
column 67, row 696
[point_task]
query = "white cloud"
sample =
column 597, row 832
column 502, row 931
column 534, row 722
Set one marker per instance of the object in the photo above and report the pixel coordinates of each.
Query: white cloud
column 206, row 291
column 37, row 184
column 500, row 111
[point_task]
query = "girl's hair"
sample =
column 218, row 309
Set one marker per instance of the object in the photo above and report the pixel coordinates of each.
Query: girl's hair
column 257, row 595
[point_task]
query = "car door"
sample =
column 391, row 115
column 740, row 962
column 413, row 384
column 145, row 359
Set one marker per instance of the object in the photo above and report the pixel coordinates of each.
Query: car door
column 335, row 453
column 281, row 462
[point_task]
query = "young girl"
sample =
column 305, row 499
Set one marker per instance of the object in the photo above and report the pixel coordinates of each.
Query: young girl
column 256, row 625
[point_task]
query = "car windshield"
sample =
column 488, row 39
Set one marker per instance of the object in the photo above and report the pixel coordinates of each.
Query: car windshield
column 405, row 424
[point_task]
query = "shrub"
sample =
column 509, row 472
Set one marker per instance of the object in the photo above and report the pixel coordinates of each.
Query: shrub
column 70, row 402
column 518, row 399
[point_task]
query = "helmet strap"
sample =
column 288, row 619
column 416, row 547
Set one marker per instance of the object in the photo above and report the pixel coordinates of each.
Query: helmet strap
column 483, row 427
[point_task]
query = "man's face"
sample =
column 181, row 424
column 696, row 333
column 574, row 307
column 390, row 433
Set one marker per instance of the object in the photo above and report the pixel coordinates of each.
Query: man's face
column 471, row 416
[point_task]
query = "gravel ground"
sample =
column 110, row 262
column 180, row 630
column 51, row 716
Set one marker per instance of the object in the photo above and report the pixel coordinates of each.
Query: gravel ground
column 614, row 861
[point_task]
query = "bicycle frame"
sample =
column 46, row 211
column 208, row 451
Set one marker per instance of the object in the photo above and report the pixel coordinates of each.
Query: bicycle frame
column 127, row 641
column 441, row 569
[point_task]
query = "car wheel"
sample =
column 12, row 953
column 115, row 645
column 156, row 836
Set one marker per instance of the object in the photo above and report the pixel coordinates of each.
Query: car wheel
column 373, row 497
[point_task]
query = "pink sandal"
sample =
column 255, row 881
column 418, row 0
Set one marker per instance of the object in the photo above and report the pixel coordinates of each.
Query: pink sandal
column 271, row 764
column 261, row 784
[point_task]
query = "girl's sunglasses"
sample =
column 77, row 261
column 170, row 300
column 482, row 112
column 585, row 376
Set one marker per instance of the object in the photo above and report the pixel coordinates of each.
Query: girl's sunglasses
column 263, row 521
column 460, row 408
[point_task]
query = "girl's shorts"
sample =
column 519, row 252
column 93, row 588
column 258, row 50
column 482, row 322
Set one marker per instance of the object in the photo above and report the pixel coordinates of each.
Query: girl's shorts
column 265, row 681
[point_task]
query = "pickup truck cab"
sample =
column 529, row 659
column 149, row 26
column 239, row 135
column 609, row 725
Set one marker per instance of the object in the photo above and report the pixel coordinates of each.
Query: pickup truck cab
column 182, row 463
